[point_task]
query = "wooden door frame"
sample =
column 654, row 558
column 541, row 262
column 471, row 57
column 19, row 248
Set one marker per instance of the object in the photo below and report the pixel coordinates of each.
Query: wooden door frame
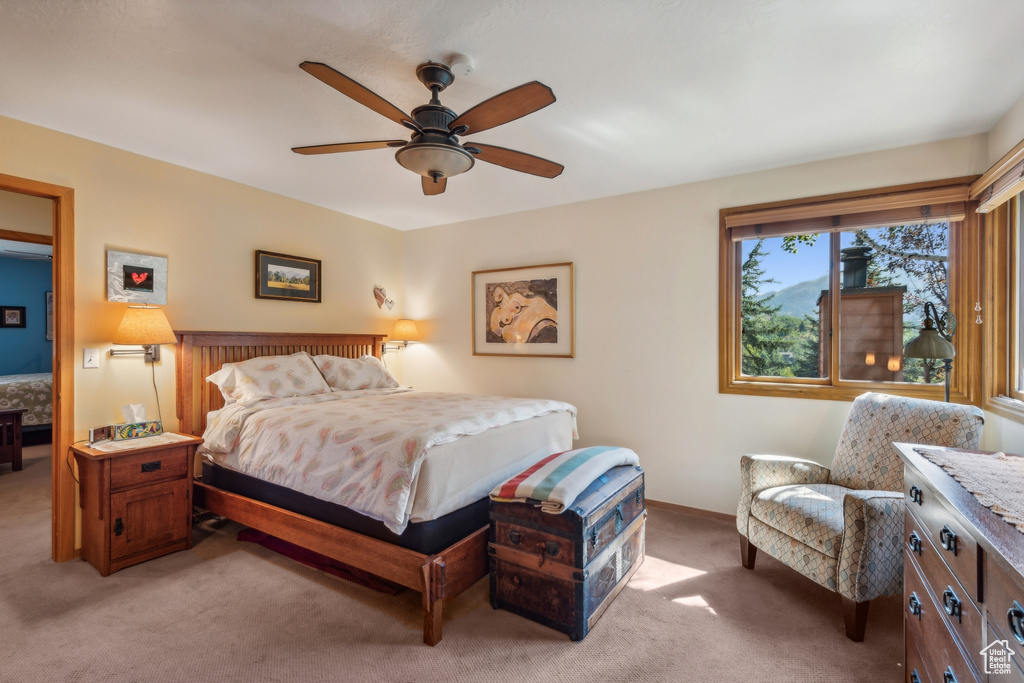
column 63, row 496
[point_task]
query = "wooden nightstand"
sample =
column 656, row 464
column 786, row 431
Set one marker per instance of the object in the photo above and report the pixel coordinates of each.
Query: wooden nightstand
column 136, row 503
column 10, row 437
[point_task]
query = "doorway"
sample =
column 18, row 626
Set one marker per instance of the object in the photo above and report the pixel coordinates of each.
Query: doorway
column 63, row 486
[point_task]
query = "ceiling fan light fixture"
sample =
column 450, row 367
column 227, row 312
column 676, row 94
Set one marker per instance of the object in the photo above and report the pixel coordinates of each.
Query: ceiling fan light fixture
column 434, row 160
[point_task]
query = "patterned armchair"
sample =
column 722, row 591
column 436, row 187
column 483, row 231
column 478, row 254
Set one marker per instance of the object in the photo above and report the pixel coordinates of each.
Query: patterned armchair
column 842, row 527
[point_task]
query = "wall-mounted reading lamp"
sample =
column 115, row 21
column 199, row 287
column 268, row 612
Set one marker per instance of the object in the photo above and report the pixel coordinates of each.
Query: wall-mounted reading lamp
column 933, row 341
column 144, row 326
column 405, row 331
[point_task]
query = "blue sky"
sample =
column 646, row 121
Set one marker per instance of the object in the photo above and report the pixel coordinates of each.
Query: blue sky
column 809, row 263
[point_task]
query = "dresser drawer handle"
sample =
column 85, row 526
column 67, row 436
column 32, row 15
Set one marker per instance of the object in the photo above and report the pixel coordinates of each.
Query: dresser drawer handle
column 915, row 606
column 947, row 539
column 914, row 541
column 952, row 604
column 916, row 495
column 915, row 677
column 151, row 466
column 1015, row 620
column 948, row 676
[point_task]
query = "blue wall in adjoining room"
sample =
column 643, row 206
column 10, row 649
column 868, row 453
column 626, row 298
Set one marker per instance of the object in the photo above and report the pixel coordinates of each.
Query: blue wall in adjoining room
column 25, row 349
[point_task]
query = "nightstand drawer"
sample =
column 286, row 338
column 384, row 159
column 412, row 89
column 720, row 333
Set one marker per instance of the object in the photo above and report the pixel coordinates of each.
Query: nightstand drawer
column 148, row 468
column 148, row 517
column 952, row 542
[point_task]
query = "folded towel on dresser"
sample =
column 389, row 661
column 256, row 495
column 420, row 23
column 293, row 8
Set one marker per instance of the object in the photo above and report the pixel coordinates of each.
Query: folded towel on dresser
column 556, row 481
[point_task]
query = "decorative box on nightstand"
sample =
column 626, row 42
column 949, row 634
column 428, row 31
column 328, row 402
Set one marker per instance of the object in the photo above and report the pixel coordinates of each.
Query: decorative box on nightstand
column 136, row 501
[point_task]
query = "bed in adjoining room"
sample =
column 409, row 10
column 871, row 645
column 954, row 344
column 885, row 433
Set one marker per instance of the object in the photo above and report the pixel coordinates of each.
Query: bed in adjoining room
column 308, row 438
column 34, row 393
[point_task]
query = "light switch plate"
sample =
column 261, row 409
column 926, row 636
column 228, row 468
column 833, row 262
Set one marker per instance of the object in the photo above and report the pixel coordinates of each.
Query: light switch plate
column 90, row 358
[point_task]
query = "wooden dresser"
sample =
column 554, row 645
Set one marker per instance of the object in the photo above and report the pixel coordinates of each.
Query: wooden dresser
column 963, row 581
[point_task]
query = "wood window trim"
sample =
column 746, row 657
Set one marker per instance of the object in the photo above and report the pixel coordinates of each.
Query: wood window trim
column 964, row 250
column 1000, row 353
column 1000, row 183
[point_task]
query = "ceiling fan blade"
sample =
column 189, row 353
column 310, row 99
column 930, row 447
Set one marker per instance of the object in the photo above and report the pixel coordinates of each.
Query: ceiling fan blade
column 518, row 161
column 430, row 187
column 508, row 106
column 359, row 93
column 348, row 147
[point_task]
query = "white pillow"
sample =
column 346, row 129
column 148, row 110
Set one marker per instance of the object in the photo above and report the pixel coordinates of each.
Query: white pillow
column 349, row 374
column 269, row 377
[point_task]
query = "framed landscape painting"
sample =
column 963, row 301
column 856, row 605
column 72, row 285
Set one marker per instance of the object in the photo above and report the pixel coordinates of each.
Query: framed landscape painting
column 293, row 278
column 525, row 311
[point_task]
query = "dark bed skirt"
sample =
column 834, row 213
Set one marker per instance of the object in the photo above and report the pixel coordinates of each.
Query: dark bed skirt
column 423, row 537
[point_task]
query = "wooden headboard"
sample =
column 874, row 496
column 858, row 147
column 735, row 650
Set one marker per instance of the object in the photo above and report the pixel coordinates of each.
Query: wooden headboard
column 199, row 354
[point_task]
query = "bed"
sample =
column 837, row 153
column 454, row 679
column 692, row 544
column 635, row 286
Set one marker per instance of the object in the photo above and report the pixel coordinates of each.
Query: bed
column 33, row 392
column 431, row 539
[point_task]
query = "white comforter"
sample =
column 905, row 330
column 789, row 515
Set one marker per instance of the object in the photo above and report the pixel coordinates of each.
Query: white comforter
column 362, row 449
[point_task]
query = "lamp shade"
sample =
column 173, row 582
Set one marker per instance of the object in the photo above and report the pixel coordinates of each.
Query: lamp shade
column 405, row 331
column 144, row 326
column 929, row 344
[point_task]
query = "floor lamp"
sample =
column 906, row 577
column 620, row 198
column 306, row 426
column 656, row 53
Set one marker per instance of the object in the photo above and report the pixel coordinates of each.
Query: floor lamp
column 933, row 340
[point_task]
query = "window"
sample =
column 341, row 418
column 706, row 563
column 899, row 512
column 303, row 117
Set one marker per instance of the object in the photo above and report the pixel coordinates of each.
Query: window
column 999, row 197
column 819, row 296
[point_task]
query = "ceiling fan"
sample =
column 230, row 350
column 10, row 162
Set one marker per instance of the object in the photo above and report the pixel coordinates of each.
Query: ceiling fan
column 28, row 255
column 434, row 150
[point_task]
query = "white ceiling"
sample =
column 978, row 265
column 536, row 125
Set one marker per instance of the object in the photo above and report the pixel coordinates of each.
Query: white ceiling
column 651, row 93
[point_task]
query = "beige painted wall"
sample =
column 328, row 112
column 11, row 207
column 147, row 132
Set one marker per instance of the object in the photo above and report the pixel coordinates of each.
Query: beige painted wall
column 646, row 369
column 208, row 228
column 1007, row 132
column 25, row 213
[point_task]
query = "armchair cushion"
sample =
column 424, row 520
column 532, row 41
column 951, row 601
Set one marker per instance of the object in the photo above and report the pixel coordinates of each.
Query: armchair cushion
column 760, row 472
column 871, row 559
column 865, row 458
column 810, row 513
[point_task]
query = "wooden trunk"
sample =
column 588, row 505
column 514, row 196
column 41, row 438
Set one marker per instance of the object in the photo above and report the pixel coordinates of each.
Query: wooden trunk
column 564, row 570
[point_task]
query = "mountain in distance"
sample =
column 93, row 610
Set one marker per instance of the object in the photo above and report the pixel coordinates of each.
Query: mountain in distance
column 801, row 298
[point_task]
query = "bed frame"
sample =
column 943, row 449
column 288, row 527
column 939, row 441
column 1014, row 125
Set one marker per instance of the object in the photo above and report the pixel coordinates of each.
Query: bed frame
column 439, row 577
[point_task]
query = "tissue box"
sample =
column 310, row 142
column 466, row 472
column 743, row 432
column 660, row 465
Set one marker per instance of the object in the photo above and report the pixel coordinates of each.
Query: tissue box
column 135, row 430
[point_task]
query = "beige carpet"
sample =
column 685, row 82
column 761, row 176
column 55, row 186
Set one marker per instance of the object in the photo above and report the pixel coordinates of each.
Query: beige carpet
column 229, row 611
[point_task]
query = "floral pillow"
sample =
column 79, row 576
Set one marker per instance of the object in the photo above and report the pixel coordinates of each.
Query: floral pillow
column 269, row 377
column 349, row 374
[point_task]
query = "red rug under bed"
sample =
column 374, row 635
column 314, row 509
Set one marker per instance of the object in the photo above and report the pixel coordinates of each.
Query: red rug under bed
column 318, row 561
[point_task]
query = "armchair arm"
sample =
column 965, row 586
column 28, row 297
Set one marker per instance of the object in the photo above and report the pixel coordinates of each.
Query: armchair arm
column 871, row 559
column 760, row 472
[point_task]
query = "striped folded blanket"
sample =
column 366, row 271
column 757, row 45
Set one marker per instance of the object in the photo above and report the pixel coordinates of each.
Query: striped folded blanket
column 556, row 481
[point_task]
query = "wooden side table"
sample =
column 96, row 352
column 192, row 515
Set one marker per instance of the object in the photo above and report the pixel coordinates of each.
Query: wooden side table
column 137, row 502
column 10, row 437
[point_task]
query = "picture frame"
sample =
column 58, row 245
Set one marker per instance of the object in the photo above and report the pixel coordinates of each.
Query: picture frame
column 49, row 316
column 525, row 311
column 286, row 277
column 136, row 278
column 12, row 316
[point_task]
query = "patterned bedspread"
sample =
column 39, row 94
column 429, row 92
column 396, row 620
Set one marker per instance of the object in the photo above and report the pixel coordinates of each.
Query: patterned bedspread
column 361, row 449
column 34, row 392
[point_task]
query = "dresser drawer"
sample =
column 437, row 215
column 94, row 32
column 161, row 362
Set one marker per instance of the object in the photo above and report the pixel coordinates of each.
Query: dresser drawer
column 146, row 468
column 916, row 672
column 953, row 543
column 1005, row 603
column 963, row 618
column 925, row 623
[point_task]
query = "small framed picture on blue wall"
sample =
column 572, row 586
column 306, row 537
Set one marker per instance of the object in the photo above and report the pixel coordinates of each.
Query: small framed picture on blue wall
column 12, row 316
